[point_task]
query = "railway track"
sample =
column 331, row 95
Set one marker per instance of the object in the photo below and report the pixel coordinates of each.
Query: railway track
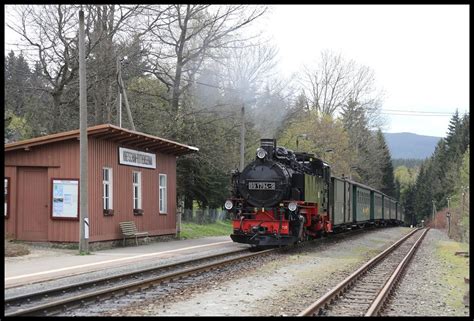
column 365, row 291
column 59, row 299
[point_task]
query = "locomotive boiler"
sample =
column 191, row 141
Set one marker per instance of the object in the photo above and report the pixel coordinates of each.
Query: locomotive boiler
column 280, row 198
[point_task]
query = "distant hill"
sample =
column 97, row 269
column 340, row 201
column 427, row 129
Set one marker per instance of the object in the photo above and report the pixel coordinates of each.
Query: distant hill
column 409, row 145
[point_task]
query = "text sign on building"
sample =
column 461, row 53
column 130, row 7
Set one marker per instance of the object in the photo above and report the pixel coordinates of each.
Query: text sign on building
column 136, row 158
column 65, row 198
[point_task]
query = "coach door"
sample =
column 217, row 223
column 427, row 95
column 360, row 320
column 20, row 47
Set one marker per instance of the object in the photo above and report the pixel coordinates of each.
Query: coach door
column 33, row 207
column 348, row 201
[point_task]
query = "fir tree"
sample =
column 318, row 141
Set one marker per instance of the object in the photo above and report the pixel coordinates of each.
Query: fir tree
column 388, row 180
column 453, row 138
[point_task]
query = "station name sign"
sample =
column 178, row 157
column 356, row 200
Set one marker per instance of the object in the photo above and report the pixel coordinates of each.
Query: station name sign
column 136, row 158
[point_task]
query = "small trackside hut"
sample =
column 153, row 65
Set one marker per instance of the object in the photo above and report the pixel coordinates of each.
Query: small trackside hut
column 132, row 177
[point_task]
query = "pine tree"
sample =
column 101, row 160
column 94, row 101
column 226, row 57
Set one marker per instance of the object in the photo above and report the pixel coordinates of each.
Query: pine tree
column 409, row 205
column 423, row 195
column 361, row 140
column 388, row 180
column 17, row 74
column 464, row 131
column 453, row 138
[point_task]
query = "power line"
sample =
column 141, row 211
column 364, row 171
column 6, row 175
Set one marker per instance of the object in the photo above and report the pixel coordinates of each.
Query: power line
column 418, row 111
column 422, row 115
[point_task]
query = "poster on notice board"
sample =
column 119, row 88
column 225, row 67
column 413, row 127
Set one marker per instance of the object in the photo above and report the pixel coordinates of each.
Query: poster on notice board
column 65, row 198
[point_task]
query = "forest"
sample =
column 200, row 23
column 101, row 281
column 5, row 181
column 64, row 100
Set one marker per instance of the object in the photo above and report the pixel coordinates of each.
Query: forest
column 187, row 71
column 441, row 183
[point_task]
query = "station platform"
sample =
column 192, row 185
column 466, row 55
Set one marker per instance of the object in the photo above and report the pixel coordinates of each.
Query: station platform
column 53, row 263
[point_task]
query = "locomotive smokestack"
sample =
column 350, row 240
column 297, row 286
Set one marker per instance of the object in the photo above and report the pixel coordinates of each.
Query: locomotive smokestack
column 269, row 144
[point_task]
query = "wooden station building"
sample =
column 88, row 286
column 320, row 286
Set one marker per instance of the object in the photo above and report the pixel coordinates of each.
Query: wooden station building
column 132, row 177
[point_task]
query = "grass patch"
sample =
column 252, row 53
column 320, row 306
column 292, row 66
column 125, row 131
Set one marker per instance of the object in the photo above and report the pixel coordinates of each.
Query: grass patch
column 457, row 267
column 193, row 230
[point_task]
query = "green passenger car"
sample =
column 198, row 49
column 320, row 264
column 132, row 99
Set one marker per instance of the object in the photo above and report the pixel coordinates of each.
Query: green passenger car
column 337, row 199
column 361, row 198
column 394, row 210
column 377, row 206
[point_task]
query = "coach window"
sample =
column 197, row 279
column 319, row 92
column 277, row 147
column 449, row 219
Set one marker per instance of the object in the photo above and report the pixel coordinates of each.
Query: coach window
column 163, row 194
column 107, row 191
column 137, row 192
column 7, row 195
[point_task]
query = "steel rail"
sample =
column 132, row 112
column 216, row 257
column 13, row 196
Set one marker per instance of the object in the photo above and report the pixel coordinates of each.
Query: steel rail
column 379, row 301
column 68, row 287
column 123, row 287
column 343, row 285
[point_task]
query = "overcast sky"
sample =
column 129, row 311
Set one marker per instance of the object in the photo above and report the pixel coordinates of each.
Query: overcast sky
column 419, row 53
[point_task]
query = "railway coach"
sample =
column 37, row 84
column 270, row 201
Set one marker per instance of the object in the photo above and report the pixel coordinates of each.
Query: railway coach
column 354, row 204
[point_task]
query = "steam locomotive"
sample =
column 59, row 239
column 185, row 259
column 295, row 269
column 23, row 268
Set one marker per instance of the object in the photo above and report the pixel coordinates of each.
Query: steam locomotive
column 285, row 197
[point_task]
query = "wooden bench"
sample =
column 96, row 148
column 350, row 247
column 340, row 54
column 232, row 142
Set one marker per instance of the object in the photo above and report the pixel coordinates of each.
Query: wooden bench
column 129, row 230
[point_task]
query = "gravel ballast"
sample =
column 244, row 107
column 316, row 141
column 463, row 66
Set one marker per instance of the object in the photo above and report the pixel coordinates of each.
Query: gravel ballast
column 424, row 289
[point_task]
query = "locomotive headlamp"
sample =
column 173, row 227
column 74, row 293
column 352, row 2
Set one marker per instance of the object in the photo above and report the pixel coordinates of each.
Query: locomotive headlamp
column 292, row 206
column 261, row 153
column 228, row 204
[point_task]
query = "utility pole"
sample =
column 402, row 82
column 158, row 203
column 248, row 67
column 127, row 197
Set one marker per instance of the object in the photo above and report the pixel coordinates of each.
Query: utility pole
column 119, row 75
column 448, row 215
column 124, row 93
column 83, row 153
column 120, row 110
column 242, row 140
column 433, row 215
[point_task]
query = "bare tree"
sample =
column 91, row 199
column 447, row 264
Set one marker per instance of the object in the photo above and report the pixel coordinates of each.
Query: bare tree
column 187, row 34
column 51, row 30
column 335, row 81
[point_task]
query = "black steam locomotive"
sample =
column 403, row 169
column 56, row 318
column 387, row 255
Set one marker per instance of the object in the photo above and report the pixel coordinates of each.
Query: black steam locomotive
column 284, row 197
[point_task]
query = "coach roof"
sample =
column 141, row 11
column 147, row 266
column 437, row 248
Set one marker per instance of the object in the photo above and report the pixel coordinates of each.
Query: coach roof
column 113, row 133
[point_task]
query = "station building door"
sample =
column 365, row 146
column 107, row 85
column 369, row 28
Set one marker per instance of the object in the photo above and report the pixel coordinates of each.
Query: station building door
column 33, row 204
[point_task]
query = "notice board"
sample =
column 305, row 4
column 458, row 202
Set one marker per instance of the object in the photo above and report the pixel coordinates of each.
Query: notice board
column 65, row 198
